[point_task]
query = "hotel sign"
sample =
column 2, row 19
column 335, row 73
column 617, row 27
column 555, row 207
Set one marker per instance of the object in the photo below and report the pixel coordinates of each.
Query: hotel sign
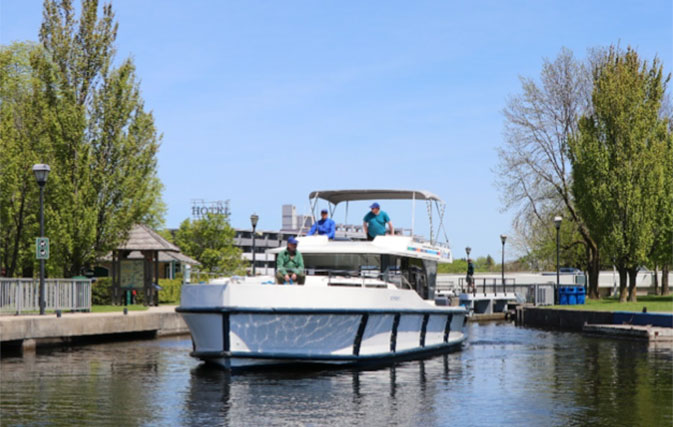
column 201, row 208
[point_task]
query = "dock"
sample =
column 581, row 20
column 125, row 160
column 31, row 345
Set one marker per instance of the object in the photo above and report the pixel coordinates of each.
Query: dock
column 638, row 332
column 652, row 327
column 26, row 332
column 487, row 303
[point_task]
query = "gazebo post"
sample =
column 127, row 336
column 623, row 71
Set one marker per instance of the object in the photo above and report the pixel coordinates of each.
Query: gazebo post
column 114, row 277
column 147, row 277
column 155, row 291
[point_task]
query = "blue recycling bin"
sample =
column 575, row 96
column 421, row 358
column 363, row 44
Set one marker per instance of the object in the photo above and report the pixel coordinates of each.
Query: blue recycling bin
column 581, row 295
column 563, row 295
column 572, row 295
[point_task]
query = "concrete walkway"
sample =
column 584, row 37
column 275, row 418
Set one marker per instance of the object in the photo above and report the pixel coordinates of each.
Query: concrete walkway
column 30, row 330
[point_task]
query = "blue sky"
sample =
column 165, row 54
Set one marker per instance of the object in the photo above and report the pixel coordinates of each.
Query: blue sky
column 263, row 102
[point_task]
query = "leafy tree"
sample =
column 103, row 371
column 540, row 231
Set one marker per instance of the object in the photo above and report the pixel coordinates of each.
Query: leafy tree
column 540, row 246
column 22, row 104
column 534, row 170
column 459, row 266
column 662, row 250
column 210, row 240
column 618, row 157
column 65, row 104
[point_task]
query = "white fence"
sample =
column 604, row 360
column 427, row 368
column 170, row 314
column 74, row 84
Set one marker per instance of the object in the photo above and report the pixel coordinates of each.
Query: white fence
column 22, row 295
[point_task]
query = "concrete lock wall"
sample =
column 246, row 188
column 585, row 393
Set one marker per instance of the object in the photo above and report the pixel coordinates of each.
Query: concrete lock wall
column 159, row 320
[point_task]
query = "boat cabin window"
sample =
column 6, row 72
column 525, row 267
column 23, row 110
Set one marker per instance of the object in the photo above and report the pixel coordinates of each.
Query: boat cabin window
column 404, row 272
column 323, row 264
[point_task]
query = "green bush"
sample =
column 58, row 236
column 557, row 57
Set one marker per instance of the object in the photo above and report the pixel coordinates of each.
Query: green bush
column 101, row 291
column 170, row 291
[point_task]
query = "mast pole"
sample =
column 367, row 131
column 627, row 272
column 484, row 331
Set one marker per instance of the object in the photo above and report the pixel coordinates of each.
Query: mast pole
column 413, row 212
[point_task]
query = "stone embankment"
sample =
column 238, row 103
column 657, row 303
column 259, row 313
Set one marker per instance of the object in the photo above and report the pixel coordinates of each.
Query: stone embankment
column 620, row 324
column 28, row 331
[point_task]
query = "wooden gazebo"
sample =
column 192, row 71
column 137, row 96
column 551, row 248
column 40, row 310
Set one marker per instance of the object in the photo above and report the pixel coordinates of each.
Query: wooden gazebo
column 149, row 244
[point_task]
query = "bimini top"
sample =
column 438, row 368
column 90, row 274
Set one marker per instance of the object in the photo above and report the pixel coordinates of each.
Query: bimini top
column 338, row 196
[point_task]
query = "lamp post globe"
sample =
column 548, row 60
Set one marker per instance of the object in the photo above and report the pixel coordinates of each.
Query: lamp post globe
column 468, row 250
column 254, row 218
column 41, row 172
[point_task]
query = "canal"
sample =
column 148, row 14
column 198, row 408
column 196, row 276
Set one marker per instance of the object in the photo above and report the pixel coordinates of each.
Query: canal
column 506, row 375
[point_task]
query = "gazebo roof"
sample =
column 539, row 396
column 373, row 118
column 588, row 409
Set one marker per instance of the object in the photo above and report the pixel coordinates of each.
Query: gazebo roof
column 163, row 257
column 143, row 238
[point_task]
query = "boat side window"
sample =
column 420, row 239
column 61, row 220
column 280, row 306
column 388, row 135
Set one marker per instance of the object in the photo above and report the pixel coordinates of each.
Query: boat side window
column 354, row 264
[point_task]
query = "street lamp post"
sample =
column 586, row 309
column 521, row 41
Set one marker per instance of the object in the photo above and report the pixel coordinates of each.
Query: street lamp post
column 253, row 220
column 557, row 224
column 467, row 251
column 503, row 238
column 41, row 172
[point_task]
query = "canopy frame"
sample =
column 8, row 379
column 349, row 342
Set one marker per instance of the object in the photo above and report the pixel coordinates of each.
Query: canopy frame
column 334, row 197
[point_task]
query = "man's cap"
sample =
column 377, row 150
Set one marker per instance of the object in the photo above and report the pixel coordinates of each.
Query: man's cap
column 374, row 206
column 324, row 211
column 292, row 241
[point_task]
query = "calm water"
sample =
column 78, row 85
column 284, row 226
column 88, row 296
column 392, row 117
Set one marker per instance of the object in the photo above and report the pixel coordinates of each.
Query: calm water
column 505, row 376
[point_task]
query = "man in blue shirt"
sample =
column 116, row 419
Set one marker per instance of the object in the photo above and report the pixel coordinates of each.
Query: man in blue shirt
column 324, row 226
column 375, row 222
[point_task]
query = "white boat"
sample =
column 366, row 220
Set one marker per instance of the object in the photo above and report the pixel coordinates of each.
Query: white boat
column 363, row 302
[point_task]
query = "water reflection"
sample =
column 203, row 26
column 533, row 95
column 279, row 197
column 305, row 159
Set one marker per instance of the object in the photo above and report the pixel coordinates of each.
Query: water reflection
column 370, row 397
column 506, row 375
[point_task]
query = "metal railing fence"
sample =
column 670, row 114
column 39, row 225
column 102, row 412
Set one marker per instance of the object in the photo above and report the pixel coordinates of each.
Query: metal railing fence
column 487, row 284
column 22, row 295
column 529, row 293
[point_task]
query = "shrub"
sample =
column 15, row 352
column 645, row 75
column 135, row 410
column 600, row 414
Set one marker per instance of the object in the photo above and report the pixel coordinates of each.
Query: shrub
column 170, row 291
column 101, row 291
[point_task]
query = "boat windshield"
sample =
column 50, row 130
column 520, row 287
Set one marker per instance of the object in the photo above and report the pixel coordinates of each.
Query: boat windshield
column 404, row 272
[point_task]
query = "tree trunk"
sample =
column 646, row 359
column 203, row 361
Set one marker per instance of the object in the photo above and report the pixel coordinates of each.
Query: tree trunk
column 593, row 268
column 623, row 295
column 656, row 280
column 664, row 279
column 633, row 277
column 13, row 265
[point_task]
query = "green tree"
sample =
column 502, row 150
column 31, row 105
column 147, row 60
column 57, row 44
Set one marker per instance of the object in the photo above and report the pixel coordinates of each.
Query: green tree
column 210, row 240
column 105, row 146
column 64, row 103
column 534, row 170
column 661, row 254
column 540, row 246
column 22, row 144
column 618, row 160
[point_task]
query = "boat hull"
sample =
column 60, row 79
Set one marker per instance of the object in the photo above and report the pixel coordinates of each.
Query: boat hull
column 254, row 337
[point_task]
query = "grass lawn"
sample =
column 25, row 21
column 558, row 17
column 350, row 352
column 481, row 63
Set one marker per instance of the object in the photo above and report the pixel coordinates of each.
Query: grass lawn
column 96, row 309
column 652, row 302
column 112, row 308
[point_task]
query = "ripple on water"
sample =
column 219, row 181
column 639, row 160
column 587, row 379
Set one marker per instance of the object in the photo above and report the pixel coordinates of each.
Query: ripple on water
column 505, row 374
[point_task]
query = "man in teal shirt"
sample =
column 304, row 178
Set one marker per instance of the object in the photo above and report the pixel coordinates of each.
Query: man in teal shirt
column 375, row 222
column 290, row 264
